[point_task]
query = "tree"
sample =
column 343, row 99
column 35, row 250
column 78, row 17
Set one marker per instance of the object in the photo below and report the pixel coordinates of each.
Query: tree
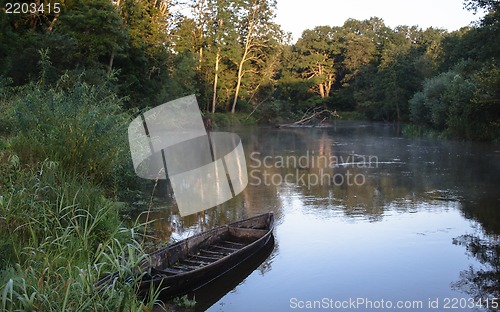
column 462, row 103
column 315, row 54
column 361, row 43
column 475, row 5
column 463, row 100
column 256, row 31
column 146, row 62
column 223, row 34
column 97, row 29
column 23, row 35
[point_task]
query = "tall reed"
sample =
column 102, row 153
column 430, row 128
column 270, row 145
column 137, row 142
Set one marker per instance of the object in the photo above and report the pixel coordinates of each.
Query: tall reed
column 64, row 235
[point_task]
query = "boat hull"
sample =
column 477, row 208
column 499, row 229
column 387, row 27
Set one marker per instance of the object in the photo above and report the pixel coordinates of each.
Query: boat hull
column 253, row 234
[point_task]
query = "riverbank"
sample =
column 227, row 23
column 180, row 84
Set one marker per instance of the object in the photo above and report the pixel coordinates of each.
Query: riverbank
column 224, row 120
column 64, row 175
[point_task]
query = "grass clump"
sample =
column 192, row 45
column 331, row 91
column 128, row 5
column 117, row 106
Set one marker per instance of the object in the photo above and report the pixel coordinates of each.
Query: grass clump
column 184, row 302
column 416, row 131
column 59, row 236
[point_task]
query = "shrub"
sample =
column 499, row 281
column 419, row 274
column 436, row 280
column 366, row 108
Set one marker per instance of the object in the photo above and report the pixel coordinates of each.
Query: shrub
column 463, row 103
column 59, row 231
column 419, row 112
column 220, row 119
column 82, row 127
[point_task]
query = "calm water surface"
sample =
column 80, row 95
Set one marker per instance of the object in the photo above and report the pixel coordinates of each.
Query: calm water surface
column 362, row 215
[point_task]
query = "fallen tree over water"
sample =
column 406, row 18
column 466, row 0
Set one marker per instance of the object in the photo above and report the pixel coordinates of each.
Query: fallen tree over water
column 314, row 117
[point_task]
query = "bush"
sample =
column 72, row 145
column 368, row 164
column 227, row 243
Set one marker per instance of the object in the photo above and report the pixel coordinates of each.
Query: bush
column 461, row 103
column 6, row 119
column 484, row 110
column 220, row 119
column 274, row 109
column 59, row 231
column 410, row 130
column 82, row 127
column 435, row 90
column 459, row 119
column 419, row 112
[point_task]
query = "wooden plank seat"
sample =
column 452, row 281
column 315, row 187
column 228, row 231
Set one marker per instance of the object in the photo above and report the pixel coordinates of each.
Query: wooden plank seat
column 205, row 258
column 214, row 253
column 236, row 244
column 225, row 248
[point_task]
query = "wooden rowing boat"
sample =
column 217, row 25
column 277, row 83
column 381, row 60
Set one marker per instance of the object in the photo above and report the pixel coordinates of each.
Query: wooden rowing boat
column 193, row 262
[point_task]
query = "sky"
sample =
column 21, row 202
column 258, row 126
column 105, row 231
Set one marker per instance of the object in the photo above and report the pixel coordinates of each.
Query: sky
column 297, row 15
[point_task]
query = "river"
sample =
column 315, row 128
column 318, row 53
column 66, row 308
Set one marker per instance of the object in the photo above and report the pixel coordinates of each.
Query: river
column 365, row 219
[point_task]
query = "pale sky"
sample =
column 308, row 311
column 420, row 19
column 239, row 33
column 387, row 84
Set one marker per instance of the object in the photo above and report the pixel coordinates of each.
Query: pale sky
column 297, row 15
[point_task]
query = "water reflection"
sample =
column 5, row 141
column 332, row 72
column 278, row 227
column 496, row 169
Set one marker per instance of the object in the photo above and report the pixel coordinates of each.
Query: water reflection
column 484, row 245
column 261, row 262
column 406, row 232
column 482, row 284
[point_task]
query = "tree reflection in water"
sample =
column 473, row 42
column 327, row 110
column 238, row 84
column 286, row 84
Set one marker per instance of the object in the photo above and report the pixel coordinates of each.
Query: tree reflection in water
column 482, row 283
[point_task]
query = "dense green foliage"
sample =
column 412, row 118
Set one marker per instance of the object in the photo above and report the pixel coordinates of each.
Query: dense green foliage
column 59, row 165
column 461, row 102
column 234, row 57
column 464, row 99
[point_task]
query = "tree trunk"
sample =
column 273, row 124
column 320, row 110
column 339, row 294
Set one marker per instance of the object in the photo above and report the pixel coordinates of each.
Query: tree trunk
column 240, row 69
column 238, row 84
column 200, row 58
column 111, row 59
column 216, row 77
column 321, row 90
column 54, row 20
column 217, row 61
column 200, row 29
column 398, row 114
column 248, row 46
column 328, row 85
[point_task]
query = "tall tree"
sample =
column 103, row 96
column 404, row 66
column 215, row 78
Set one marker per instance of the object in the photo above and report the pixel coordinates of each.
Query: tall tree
column 97, row 29
column 255, row 27
column 316, row 52
column 362, row 42
column 223, row 33
column 146, row 64
column 209, row 34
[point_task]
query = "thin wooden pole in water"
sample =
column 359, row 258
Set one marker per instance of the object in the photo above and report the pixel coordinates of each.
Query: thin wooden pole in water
column 151, row 201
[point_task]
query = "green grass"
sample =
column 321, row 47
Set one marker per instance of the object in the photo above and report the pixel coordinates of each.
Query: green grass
column 416, row 131
column 64, row 160
column 59, row 236
column 184, row 302
column 82, row 127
